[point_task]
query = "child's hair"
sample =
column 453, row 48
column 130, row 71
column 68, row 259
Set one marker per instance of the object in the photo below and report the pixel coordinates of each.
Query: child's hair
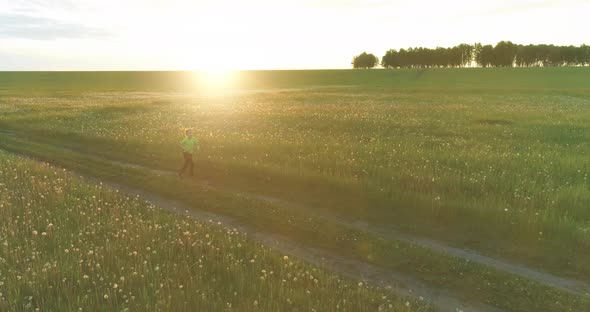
column 187, row 130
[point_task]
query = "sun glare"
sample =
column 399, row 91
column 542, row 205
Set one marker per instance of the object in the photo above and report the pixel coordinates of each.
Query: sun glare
column 218, row 79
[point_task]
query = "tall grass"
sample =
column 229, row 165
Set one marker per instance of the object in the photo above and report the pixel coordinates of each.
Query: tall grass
column 493, row 159
column 70, row 245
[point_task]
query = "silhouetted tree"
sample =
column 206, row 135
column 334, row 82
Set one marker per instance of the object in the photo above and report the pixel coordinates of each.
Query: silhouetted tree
column 569, row 56
column 365, row 60
column 584, row 54
column 504, row 54
column 527, row 56
column 390, row 59
column 485, row 56
column 466, row 51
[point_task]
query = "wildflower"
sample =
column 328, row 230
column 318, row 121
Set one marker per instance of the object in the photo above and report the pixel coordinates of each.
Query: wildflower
column 115, row 286
column 106, row 296
column 35, row 232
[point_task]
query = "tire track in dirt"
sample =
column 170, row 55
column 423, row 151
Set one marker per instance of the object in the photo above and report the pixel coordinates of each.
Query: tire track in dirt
column 577, row 287
column 398, row 283
column 573, row 286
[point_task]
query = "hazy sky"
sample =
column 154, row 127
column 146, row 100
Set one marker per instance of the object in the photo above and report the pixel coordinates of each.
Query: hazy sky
column 264, row 34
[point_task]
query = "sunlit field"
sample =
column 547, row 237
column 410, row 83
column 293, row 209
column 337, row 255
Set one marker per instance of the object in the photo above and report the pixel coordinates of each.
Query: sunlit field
column 492, row 160
column 70, row 245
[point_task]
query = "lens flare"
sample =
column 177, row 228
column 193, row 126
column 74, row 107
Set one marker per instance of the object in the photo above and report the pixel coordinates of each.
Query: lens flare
column 217, row 80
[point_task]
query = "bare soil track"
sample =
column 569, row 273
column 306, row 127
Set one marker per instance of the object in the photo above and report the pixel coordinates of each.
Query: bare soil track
column 573, row 286
column 399, row 283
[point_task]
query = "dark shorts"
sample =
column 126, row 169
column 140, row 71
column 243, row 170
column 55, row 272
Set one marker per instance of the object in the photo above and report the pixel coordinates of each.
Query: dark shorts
column 188, row 163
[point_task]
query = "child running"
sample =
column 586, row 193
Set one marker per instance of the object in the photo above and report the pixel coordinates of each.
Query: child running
column 189, row 145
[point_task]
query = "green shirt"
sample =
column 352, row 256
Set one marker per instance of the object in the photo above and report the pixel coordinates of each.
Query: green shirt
column 189, row 145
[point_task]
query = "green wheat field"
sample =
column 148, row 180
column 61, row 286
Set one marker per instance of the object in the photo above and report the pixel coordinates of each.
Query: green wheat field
column 491, row 160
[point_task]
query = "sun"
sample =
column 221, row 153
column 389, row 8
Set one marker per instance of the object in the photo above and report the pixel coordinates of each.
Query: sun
column 216, row 79
column 218, row 73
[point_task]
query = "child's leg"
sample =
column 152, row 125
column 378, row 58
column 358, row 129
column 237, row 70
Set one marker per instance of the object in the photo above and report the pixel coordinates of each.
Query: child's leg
column 185, row 164
column 191, row 164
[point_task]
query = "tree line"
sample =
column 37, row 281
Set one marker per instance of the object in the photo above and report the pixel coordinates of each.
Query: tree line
column 503, row 54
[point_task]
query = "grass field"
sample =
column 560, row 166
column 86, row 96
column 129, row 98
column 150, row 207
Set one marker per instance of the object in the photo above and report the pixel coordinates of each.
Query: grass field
column 71, row 245
column 494, row 160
